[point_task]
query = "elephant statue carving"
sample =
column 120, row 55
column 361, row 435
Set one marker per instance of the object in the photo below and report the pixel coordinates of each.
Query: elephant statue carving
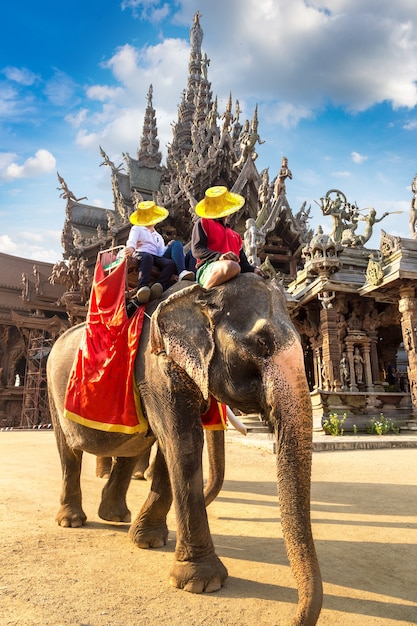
column 237, row 343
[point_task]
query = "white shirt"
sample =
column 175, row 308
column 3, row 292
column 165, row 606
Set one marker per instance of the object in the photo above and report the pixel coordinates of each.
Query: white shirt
column 146, row 240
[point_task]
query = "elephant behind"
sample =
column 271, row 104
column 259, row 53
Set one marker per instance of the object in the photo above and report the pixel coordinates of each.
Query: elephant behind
column 237, row 343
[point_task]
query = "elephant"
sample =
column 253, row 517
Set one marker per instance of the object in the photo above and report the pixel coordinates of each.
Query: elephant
column 237, row 343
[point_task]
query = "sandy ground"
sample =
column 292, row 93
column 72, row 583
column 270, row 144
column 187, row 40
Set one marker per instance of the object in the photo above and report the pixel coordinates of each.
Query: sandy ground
column 364, row 510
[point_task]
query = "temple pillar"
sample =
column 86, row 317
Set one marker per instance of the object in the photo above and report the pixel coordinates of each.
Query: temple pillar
column 373, row 336
column 407, row 306
column 368, row 369
column 330, row 345
column 349, row 347
column 316, row 365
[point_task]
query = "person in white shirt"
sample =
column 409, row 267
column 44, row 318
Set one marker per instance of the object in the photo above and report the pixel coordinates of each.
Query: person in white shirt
column 148, row 246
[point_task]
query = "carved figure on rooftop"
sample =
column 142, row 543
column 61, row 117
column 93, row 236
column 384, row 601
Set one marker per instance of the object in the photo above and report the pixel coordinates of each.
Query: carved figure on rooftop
column 213, row 116
column 370, row 220
column 77, row 239
column 67, row 194
column 237, row 126
column 38, row 286
column 84, row 280
column 249, row 139
column 205, row 62
column 335, row 207
column 282, row 175
column 349, row 236
column 301, row 219
column 108, row 162
column 73, row 272
column 252, row 239
column 227, row 117
column 264, row 191
column 25, row 287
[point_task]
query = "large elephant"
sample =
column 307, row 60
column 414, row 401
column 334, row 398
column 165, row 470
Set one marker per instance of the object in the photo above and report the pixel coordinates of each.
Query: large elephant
column 236, row 342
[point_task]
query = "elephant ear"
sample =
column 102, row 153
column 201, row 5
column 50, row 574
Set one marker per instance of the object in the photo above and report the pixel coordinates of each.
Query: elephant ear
column 182, row 328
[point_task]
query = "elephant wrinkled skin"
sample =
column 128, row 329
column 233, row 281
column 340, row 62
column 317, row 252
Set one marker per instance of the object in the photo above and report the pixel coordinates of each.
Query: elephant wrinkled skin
column 237, row 342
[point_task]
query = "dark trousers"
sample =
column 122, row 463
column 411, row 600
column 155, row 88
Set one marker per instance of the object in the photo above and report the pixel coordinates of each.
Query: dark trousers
column 147, row 261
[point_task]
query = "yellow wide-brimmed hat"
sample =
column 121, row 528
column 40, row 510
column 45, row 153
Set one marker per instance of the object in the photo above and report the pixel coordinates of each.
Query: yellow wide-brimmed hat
column 148, row 213
column 219, row 202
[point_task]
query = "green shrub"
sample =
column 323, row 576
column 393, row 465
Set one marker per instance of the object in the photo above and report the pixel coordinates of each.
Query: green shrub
column 333, row 425
column 381, row 426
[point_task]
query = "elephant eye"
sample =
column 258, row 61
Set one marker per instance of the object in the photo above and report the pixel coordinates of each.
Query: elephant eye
column 264, row 349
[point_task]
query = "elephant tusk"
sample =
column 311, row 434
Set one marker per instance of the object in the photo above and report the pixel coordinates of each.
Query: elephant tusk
column 235, row 422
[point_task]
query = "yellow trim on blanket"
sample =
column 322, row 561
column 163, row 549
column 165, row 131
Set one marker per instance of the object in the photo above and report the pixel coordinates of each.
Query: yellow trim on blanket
column 141, row 427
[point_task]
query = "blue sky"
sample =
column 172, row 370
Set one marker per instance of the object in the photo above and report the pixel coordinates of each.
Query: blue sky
column 335, row 82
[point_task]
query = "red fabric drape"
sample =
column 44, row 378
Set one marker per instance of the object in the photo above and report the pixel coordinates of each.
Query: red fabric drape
column 102, row 390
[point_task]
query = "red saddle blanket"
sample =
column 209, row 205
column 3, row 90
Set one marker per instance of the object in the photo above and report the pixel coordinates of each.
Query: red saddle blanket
column 102, row 391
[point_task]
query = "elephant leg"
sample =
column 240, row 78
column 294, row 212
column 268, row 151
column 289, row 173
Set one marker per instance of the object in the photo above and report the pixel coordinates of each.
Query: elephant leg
column 70, row 514
column 113, row 507
column 141, row 465
column 178, row 428
column 216, row 458
column 294, row 455
column 149, row 529
column 103, row 466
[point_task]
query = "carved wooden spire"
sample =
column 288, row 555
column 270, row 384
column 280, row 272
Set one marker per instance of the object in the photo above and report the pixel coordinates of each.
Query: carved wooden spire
column 148, row 153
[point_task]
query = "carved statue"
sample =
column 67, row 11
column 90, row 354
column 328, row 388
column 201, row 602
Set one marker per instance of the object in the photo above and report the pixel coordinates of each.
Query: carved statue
column 344, row 372
column 25, row 287
column 84, row 280
column 227, row 117
column 336, row 209
column 283, row 173
column 326, row 297
column 213, row 116
column 370, row 220
column 67, row 194
column 358, row 361
column 252, row 239
column 108, row 162
column 249, row 139
column 205, row 62
column 264, row 191
column 38, row 286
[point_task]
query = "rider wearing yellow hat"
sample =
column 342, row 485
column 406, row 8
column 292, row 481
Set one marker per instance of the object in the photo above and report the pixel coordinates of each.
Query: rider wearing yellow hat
column 148, row 246
column 216, row 246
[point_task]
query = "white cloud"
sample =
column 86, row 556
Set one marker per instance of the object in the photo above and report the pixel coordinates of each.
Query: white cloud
column 342, row 174
column 75, row 120
column 21, row 75
column 412, row 125
column 357, row 157
column 61, row 89
column 42, row 163
column 147, row 9
column 103, row 93
column 7, row 245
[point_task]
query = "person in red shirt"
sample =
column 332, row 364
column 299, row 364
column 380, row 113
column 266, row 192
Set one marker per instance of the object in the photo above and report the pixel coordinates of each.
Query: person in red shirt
column 216, row 246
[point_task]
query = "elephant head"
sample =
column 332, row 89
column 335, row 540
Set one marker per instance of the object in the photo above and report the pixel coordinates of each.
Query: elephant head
column 237, row 342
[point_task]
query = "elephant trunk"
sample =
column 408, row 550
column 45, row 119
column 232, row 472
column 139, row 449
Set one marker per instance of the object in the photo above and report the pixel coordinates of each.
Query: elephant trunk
column 293, row 427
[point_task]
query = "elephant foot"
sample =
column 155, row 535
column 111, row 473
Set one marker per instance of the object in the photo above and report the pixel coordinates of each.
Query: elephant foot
column 114, row 512
column 155, row 537
column 68, row 517
column 200, row 576
column 139, row 475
